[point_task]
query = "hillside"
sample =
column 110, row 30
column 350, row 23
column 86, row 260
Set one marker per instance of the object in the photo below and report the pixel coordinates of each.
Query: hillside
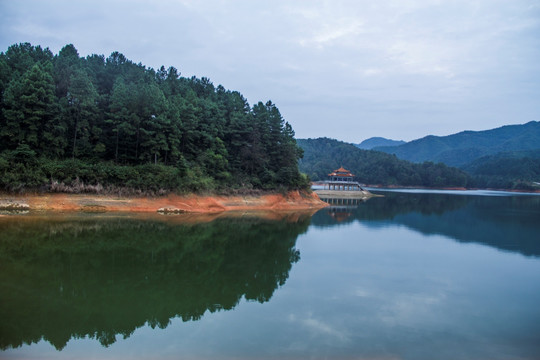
column 508, row 170
column 69, row 123
column 374, row 142
column 464, row 147
column 323, row 155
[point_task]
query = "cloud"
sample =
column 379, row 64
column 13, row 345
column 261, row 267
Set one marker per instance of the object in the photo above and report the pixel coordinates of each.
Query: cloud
column 320, row 328
column 399, row 68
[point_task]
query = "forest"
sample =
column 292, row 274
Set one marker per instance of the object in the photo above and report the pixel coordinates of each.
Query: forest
column 92, row 124
column 518, row 170
column 323, row 155
column 515, row 170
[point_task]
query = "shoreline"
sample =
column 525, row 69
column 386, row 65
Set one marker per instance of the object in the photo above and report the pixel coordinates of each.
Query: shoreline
column 382, row 187
column 169, row 204
column 396, row 187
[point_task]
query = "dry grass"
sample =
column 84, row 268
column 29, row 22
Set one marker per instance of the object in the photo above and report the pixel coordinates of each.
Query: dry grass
column 79, row 187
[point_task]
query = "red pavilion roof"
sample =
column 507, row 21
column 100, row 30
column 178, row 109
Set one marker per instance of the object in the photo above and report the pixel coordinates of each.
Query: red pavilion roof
column 341, row 172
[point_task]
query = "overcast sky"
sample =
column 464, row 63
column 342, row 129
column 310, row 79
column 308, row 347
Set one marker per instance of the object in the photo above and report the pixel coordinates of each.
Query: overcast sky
column 348, row 70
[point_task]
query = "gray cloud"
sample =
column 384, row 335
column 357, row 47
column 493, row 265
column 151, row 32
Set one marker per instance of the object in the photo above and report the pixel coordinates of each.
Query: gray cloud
column 343, row 69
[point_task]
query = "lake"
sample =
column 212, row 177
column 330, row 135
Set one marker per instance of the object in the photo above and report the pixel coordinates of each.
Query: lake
column 411, row 275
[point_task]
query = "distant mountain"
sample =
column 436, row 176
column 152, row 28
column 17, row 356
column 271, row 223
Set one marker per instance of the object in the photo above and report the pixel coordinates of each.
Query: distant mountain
column 508, row 170
column 373, row 142
column 464, row 147
column 323, row 155
column 490, row 165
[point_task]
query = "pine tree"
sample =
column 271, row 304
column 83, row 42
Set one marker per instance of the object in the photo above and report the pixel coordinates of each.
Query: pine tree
column 82, row 109
column 31, row 113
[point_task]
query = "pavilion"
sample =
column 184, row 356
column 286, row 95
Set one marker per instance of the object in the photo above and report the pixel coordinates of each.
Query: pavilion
column 342, row 180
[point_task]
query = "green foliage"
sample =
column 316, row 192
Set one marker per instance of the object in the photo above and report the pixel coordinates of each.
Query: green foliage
column 373, row 167
column 508, row 170
column 30, row 111
column 20, row 169
column 123, row 124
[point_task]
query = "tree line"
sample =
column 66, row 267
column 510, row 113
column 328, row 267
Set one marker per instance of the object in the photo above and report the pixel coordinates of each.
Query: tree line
column 109, row 121
column 518, row 170
column 323, row 155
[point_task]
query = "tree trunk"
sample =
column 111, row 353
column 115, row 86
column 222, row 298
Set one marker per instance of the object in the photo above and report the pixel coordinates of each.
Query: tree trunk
column 116, row 149
column 75, row 136
column 137, row 144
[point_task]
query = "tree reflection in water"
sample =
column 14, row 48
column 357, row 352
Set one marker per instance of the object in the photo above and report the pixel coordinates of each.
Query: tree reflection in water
column 64, row 278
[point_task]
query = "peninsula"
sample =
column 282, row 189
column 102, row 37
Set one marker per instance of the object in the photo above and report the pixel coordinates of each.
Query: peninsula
column 108, row 126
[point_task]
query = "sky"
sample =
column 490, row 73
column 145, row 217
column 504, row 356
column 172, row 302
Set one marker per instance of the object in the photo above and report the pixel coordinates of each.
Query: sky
column 348, row 70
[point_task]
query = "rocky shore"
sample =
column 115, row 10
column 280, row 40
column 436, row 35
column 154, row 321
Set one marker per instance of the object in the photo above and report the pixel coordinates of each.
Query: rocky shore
column 293, row 200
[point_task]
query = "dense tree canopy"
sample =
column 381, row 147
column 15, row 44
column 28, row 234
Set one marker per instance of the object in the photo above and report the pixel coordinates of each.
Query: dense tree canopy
column 111, row 121
column 373, row 167
column 507, row 170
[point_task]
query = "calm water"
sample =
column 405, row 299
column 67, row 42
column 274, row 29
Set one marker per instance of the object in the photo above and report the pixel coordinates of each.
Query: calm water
column 407, row 276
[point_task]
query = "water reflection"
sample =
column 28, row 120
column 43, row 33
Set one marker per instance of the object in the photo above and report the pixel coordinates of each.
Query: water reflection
column 509, row 223
column 341, row 209
column 100, row 276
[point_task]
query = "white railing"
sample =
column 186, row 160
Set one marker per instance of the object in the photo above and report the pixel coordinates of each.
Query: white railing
column 342, row 185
